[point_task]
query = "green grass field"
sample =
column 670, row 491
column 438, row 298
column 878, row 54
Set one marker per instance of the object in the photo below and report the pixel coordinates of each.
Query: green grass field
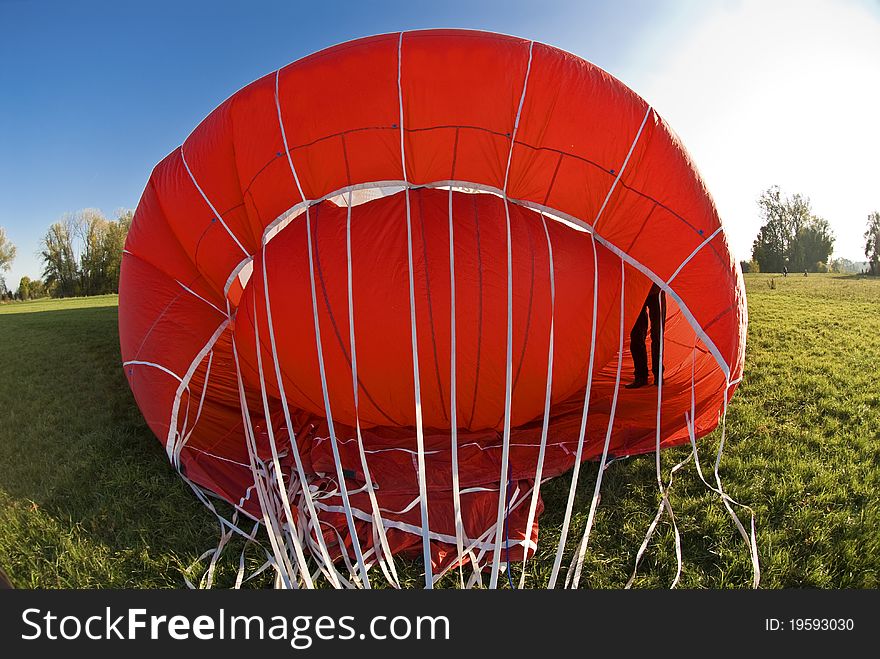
column 88, row 499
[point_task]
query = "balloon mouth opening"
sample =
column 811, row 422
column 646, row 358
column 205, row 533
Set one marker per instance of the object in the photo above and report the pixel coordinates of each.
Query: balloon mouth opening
column 564, row 411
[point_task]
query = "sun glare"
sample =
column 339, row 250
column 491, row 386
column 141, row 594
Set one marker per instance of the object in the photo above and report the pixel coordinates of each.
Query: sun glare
column 779, row 93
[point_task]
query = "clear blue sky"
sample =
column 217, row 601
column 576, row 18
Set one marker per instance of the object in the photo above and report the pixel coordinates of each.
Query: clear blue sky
column 94, row 94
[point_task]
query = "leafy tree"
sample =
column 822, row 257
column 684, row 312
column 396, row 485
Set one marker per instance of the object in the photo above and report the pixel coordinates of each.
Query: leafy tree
column 114, row 243
column 842, row 265
column 31, row 289
column 82, row 253
column 59, row 258
column 791, row 235
column 812, row 246
column 24, row 288
column 872, row 243
column 7, row 255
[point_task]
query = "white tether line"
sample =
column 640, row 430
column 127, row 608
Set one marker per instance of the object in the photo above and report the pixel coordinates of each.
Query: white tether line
column 174, row 444
column 664, row 490
column 385, row 559
column 320, row 350
column 193, row 293
column 210, row 205
column 282, row 487
column 177, row 440
column 693, row 254
column 285, row 569
column 137, row 362
column 623, row 166
column 752, row 544
column 563, row 535
column 594, row 503
column 453, row 405
column 625, row 257
column 172, row 452
column 180, row 444
column 539, row 468
column 352, row 529
column 420, row 438
column 508, row 378
column 435, row 535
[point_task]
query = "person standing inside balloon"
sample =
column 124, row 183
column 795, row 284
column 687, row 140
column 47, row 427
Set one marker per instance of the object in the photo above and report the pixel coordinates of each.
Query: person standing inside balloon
column 653, row 310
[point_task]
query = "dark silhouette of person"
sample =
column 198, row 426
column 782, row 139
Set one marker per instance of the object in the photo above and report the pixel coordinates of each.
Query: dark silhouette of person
column 653, row 310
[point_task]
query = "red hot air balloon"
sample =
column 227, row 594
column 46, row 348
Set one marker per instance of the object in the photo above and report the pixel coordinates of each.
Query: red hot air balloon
column 381, row 294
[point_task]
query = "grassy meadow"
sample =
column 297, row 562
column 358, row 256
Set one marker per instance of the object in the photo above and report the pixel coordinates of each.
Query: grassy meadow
column 88, row 499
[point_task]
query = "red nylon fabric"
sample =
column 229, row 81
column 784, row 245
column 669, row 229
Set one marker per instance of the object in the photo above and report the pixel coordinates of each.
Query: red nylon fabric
column 192, row 282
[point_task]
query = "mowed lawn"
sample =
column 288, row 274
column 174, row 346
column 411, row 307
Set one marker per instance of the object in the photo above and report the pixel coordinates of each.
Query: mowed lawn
column 88, row 499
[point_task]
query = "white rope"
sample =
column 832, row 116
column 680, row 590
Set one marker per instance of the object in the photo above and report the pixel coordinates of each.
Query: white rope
column 693, row 254
column 179, row 447
column 539, row 468
column 136, row 362
column 335, row 577
column 563, row 535
column 386, row 556
column 508, row 378
column 284, row 567
column 661, row 303
column 664, row 490
column 453, row 405
column 210, row 205
column 276, row 463
column 352, row 529
column 412, row 529
column 172, row 437
column 623, row 166
column 420, row 437
column 749, row 538
column 594, row 503
column 485, row 541
column 194, row 294
column 653, row 527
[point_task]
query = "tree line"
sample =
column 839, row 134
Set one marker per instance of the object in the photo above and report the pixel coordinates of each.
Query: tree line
column 793, row 239
column 81, row 255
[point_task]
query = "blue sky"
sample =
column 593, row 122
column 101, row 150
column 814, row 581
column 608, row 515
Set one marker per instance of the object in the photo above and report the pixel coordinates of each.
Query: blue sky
column 94, row 94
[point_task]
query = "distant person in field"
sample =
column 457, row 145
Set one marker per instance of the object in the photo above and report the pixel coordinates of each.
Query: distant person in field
column 785, row 271
column 653, row 310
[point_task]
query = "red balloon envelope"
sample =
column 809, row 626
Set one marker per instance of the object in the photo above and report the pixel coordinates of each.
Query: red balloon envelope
column 380, row 294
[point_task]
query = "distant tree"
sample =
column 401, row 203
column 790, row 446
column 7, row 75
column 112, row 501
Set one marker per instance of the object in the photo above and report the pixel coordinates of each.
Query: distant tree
column 812, row 245
column 114, row 243
column 24, row 288
column 872, row 243
column 750, row 266
column 91, row 230
column 7, row 256
column 82, row 253
column 30, row 289
column 60, row 268
column 842, row 265
column 791, row 236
